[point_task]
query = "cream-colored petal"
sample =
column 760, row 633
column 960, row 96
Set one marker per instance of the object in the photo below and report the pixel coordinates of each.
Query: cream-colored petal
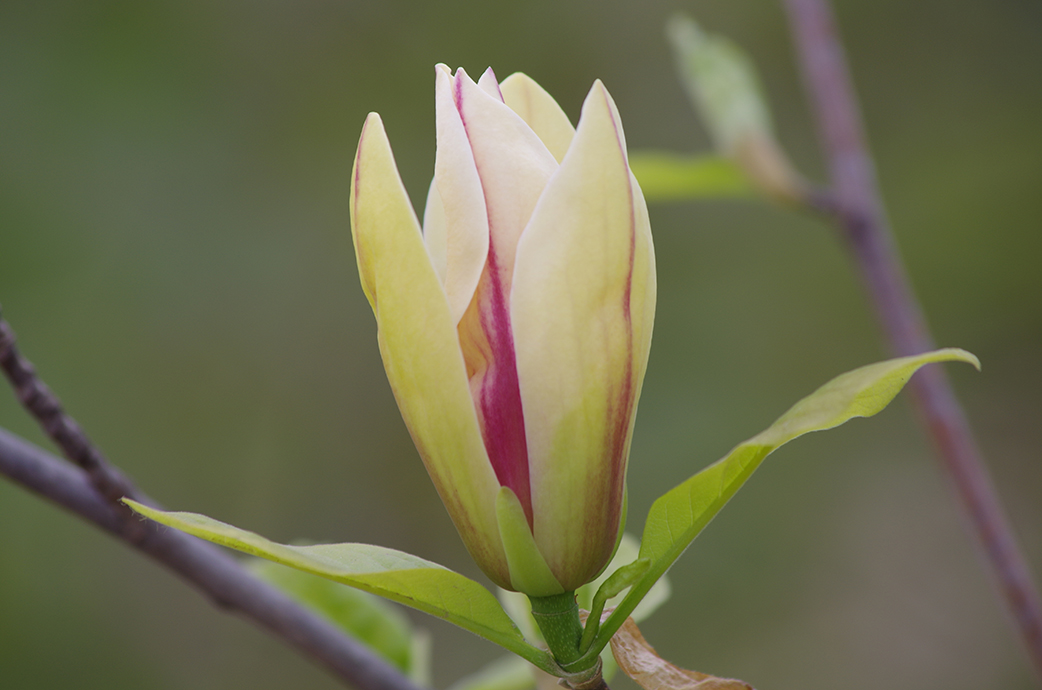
column 466, row 218
column 490, row 85
column 582, row 305
column 512, row 163
column 418, row 342
column 435, row 232
column 540, row 111
column 644, row 286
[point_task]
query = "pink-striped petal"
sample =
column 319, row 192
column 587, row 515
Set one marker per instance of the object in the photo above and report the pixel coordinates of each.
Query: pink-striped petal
column 513, row 167
column 489, row 85
column 582, row 302
column 462, row 199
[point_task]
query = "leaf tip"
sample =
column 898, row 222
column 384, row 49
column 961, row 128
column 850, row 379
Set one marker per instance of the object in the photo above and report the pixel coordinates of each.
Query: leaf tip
column 958, row 354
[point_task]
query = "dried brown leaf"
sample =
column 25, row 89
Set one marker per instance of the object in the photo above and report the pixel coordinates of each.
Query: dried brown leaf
column 638, row 660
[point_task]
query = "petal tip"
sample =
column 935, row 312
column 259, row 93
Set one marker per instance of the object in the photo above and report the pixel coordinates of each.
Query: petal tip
column 374, row 119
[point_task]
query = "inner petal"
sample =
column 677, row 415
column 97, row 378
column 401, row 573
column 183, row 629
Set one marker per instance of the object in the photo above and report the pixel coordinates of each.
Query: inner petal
column 513, row 166
column 488, row 349
column 512, row 163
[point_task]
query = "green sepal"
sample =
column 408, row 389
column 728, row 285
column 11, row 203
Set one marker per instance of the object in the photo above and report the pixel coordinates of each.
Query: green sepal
column 394, row 575
column 529, row 572
column 678, row 516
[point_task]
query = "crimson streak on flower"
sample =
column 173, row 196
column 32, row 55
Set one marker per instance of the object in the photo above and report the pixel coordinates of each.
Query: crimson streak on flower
column 515, row 329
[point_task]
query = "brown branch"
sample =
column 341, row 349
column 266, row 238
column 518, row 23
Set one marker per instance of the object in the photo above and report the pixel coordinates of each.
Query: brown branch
column 856, row 206
column 86, row 491
column 45, row 407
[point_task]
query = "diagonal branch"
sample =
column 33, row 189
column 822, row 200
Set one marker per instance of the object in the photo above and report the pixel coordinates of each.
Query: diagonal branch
column 855, row 204
column 87, row 492
column 45, row 407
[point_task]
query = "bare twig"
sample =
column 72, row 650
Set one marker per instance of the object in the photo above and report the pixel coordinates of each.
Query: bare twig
column 210, row 570
column 45, row 407
column 856, row 205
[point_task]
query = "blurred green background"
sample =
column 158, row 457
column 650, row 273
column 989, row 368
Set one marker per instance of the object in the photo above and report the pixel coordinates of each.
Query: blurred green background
column 175, row 257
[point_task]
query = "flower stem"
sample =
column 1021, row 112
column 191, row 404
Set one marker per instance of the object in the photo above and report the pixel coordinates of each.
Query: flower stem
column 558, row 619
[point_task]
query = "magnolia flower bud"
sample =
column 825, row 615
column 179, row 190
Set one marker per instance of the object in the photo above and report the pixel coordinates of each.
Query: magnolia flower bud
column 515, row 329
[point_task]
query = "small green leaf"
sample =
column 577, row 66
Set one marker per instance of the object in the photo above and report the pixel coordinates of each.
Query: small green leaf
column 621, row 579
column 628, row 551
column 394, row 575
column 678, row 516
column 371, row 620
column 665, row 176
column 724, row 89
column 721, row 82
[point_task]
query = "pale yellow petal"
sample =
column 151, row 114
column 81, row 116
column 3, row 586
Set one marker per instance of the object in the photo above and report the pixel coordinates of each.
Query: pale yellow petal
column 644, row 290
column 581, row 307
column 435, row 231
column 539, row 109
column 463, row 201
column 417, row 339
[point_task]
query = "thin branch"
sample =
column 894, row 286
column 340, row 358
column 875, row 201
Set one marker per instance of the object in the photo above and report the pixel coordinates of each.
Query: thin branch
column 856, row 205
column 45, row 407
column 209, row 569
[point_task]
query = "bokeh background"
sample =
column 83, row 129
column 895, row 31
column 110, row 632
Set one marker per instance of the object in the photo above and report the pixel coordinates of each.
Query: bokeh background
column 175, row 257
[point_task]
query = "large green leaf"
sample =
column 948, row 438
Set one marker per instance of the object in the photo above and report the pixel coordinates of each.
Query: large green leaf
column 395, row 575
column 665, row 176
column 678, row 516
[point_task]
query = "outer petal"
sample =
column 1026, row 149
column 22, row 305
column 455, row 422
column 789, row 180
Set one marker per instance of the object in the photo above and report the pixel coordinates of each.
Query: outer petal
column 418, row 342
column 435, row 231
column 462, row 199
column 582, row 304
column 540, row 111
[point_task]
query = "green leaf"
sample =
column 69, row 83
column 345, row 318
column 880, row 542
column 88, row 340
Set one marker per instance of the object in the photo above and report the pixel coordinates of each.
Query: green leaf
column 627, row 552
column 369, row 619
column 677, row 517
column 394, row 575
column 619, row 581
column 724, row 89
column 667, row 176
column 721, row 82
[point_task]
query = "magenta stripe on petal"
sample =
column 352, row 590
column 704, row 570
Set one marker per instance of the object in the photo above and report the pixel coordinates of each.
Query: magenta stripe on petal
column 621, row 414
column 500, row 398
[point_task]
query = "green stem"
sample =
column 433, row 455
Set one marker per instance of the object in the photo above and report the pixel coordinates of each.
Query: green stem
column 558, row 619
